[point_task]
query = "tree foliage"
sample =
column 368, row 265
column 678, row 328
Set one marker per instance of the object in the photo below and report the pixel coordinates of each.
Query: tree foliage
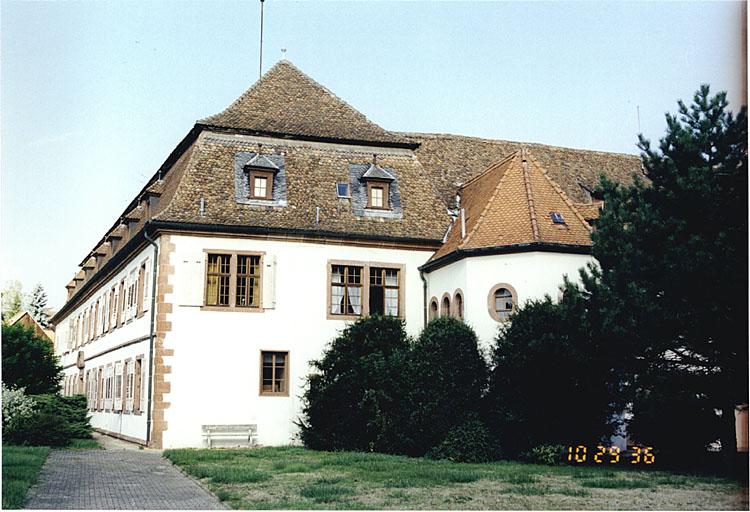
column 38, row 305
column 29, row 361
column 673, row 255
column 12, row 300
column 353, row 402
column 552, row 377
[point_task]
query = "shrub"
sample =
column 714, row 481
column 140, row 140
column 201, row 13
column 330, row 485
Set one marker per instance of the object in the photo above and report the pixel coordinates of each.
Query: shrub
column 549, row 454
column 355, row 402
column 469, row 442
column 55, row 421
column 448, row 376
column 17, row 406
column 29, row 361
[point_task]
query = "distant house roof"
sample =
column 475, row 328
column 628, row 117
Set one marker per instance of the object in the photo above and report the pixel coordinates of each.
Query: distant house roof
column 515, row 203
column 25, row 318
column 287, row 101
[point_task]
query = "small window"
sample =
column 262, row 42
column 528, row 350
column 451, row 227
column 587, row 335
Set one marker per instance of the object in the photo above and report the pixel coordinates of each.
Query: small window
column 445, row 309
column 557, row 217
column 261, row 185
column 274, row 373
column 377, row 195
column 458, row 305
column 433, row 309
column 501, row 302
column 342, row 190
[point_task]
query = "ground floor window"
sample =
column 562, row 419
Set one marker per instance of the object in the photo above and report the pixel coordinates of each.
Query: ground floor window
column 274, row 373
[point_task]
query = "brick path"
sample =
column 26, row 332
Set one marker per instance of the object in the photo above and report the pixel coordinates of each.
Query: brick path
column 103, row 479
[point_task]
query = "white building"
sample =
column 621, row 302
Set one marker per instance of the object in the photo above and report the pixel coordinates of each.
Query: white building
column 277, row 221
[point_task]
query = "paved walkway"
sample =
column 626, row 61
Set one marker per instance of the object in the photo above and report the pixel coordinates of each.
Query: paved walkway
column 119, row 478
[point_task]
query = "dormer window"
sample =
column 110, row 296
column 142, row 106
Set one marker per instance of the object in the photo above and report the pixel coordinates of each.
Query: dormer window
column 261, row 172
column 378, row 187
column 377, row 195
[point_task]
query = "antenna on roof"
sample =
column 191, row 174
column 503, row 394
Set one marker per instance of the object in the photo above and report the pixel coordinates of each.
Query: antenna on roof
column 374, row 159
column 283, row 53
column 638, row 112
column 260, row 66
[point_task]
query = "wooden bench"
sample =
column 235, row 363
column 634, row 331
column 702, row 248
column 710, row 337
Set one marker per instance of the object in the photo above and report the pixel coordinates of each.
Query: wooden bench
column 246, row 433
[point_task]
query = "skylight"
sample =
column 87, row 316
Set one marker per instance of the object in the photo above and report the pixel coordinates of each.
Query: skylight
column 342, row 189
column 557, row 217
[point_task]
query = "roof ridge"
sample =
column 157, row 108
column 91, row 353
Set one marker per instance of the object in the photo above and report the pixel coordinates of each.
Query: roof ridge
column 490, row 168
column 529, row 195
column 506, row 141
column 561, row 193
column 487, row 205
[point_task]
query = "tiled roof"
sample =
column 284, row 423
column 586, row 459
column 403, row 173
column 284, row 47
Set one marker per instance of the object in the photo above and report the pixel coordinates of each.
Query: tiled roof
column 311, row 172
column 589, row 211
column 510, row 204
column 455, row 159
column 286, row 101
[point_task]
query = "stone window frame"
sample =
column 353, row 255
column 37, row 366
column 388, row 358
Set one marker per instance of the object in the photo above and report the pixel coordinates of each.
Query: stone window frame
column 287, row 365
column 233, row 281
column 365, row 265
column 433, row 311
column 260, row 173
column 386, row 187
column 491, row 301
column 445, row 310
column 458, row 298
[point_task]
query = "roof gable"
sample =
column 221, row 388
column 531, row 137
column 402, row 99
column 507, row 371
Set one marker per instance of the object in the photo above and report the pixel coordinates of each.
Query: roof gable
column 286, row 101
column 510, row 204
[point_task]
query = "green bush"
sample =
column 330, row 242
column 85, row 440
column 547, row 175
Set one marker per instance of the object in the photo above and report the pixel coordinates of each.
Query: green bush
column 448, row 377
column 469, row 442
column 355, row 401
column 548, row 454
column 55, row 421
column 29, row 361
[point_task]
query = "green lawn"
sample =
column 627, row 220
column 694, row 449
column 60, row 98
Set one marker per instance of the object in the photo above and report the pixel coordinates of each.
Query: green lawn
column 21, row 466
column 296, row 478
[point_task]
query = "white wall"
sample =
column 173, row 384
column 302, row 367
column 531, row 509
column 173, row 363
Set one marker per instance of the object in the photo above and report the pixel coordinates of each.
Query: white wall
column 216, row 363
column 532, row 274
column 127, row 341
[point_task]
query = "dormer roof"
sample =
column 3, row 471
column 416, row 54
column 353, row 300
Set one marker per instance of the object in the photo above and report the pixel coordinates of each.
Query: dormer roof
column 375, row 172
column 514, row 203
column 261, row 162
column 285, row 101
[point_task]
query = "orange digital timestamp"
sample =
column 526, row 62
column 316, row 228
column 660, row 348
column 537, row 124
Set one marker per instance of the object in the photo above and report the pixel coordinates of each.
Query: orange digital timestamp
column 611, row 454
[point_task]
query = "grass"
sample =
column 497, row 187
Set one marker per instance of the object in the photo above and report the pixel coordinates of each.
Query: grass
column 296, row 478
column 21, row 466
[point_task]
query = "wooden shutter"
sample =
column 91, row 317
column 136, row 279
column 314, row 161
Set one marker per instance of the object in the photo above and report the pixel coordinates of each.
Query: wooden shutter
column 191, row 293
column 269, row 281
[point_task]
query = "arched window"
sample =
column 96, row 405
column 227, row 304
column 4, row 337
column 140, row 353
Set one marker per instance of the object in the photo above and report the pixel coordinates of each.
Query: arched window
column 458, row 304
column 501, row 301
column 445, row 309
column 433, row 309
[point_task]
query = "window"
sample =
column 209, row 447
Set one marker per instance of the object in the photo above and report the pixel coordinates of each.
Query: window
column 346, row 290
column 433, row 308
column 118, row 386
column 342, row 190
column 108, row 391
column 377, row 195
column 557, row 217
column 139, row 288
column 121, row 303
column 458, row 304
column 362, row 289
column 384, row 291
column 261, row 185
column 129, row 385
column 445, row 307
column 501, row 302
column 274, row 373
column 100, row 391
column 233, row 280
column 248, row 281
column 137, row 383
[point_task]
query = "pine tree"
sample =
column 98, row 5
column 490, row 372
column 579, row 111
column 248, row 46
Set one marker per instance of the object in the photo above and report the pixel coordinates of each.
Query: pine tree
column 673, row 255
column 38, row 305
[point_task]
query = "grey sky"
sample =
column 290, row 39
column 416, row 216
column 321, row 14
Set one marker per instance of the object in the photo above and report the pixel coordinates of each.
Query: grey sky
column 96, row 94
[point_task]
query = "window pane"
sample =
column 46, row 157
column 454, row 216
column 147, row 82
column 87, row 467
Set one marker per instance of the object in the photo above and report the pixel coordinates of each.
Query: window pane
column 260, row 185
column 337, row 300
column 355, row 300
column 391, row 277
column 376, row 197
column 391, row 301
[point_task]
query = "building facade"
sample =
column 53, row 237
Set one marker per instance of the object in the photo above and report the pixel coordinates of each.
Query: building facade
column 282, row 218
